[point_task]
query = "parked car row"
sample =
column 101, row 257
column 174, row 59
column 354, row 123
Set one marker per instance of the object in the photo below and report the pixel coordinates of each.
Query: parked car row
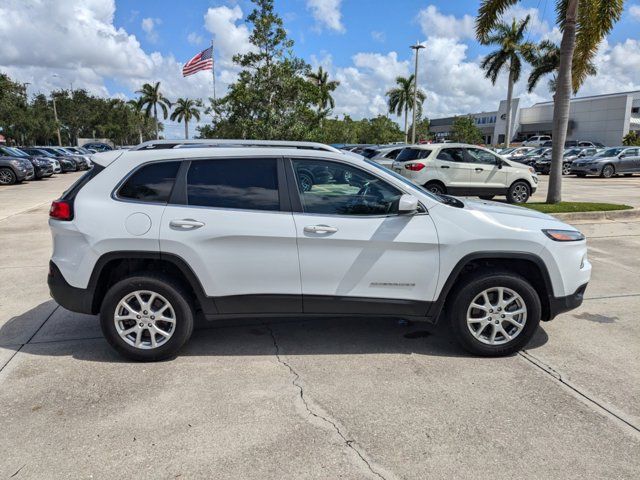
column 27, row 163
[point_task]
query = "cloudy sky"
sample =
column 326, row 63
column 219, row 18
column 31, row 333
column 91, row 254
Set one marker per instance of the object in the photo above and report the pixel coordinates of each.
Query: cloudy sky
column 111, row 47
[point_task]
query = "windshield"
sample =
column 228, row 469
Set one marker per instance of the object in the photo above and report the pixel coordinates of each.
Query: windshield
column 407, row 182
column 573, row 151
column 408, row 154
column 534, row 152
column 507, row 151
column 609, row 152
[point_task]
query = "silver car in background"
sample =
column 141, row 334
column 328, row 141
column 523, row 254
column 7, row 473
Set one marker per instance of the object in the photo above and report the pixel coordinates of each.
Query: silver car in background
column 609, row 162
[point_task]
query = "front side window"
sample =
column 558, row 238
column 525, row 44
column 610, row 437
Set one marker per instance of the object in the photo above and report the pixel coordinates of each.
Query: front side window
column 333, row 188
column 242, row 183
column 151, row 183
column 451, row 155
column 477, row 155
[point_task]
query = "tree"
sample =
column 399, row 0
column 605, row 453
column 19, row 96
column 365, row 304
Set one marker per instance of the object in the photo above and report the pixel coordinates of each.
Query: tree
column 186, row 109
column 513, row 48
column 151, row 99
column 401, row 100
column 423, row 132
column 464, row 130
column 545, row 60
column 584, row 24
column 324, row 86
column 631, row 139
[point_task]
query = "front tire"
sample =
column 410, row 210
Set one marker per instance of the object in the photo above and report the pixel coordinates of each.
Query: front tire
column 494, row 314
column 519, row 192
column 146, row 318
column 566, row 169
column 608, row 171
column 7, row 177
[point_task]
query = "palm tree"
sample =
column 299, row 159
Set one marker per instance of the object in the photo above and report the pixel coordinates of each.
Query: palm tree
column 584, row 24
column 151, row 98
column 186, row 109
column 401, row 100
column 513, row 48
column 320, row 80
column 136, row 107
column 545, row 61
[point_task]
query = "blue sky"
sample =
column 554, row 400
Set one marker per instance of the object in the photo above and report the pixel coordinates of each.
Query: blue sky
column 111, row 47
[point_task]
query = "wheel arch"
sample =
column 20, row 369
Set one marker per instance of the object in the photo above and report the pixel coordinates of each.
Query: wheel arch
column 113, row 266
column 528, row 265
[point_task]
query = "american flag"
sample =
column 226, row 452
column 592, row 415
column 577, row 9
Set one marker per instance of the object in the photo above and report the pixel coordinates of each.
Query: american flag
column 201, row 61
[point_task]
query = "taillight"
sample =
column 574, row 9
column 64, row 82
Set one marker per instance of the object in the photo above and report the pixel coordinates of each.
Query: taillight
column 414, row 167
column 60, row 210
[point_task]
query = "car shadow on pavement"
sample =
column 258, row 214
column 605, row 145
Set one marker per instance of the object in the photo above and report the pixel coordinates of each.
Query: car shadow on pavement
column 52, row 331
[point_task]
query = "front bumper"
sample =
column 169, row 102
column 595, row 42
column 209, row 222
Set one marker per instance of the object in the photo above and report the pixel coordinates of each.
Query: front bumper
column 558, row 305
column 586, row 169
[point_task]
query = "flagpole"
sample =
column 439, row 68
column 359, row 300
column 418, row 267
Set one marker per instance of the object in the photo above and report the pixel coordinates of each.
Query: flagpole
column 213, row 71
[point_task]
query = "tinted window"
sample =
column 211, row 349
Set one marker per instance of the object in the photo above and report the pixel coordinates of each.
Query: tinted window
column 393, row 153
column 336, row 189
column 151, row 183
column 476, row 155
column 408, row 154
column 244, row 183
column 451, row 155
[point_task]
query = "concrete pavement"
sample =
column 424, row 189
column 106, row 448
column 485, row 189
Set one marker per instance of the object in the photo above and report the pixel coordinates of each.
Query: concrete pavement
column 335, row 398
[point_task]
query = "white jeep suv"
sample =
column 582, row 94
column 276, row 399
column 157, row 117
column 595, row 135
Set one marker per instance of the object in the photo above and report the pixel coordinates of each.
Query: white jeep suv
column 461, row 169
column 150, row 238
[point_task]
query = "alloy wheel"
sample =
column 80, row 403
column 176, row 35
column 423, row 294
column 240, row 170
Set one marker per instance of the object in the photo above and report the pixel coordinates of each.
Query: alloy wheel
column 608, row 171
column 145, row 319
column 496, row 316
column 520, row 193
column 6, row 177
column 566, row 169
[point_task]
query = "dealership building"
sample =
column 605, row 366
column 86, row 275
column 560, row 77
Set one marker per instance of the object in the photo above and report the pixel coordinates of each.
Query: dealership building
column 600, row 118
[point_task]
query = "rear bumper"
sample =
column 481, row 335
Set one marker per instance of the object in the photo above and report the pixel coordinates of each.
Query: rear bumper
column 75, row 299
column 558, row 305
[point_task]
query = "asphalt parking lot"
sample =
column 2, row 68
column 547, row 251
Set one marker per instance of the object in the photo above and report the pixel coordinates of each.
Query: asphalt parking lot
column 334, row 398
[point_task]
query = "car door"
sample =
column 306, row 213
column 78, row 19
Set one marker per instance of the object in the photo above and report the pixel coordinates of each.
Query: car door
column 357, row 254
column 230, row 221
column 452, row 168
column 628, row 160
column 488, row 172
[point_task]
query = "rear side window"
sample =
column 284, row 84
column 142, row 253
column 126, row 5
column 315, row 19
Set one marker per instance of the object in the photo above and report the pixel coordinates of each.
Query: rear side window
column 151, row 183
column 408, row 154
column 72, row 191
column 243, row 183
column 452, row 155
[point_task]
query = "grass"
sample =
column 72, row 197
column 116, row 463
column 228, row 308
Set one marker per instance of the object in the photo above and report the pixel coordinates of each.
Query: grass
column 566, row 207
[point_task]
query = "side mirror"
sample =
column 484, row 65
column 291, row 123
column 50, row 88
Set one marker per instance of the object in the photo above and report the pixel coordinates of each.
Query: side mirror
column 622, row 155
column 582, row 154
column 500, row 164
column 407, row 204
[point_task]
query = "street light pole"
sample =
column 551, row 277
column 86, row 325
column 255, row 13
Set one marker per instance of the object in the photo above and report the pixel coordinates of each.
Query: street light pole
column 55, row 116
column 417, row 47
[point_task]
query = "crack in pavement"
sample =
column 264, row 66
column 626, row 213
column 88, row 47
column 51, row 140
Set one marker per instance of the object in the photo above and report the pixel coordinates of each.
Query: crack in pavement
column 348, row 443
column 591, row 401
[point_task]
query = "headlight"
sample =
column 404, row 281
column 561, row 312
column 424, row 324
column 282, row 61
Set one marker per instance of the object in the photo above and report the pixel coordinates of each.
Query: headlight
column 532, row 170
column 564, row 235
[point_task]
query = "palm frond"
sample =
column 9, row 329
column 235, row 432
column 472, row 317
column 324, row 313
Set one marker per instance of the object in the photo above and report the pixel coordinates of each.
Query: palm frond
column 488, row 15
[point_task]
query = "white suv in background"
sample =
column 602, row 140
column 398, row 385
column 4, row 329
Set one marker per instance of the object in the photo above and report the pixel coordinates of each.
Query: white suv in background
column 536, row 141
column 461, row 169
column 152, row 237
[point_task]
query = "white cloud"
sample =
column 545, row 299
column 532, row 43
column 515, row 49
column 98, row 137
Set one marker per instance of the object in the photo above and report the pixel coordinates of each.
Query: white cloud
column 149, row 27
column 435, row 24
column 229, row 37
column 194, row 39
column 634, row 10
column 327, row 14
column 378, row 36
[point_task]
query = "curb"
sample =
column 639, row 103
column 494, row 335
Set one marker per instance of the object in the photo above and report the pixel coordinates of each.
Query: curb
column 610, row 215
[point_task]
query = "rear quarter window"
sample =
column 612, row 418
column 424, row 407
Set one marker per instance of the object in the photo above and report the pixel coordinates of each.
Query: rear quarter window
column 151, row 183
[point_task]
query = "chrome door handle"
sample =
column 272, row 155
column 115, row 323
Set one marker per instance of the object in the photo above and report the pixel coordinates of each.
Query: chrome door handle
column 320, row 229
column 185, row 224
column 444, row 166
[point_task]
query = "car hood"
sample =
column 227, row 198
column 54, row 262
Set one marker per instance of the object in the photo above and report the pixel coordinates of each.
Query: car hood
column 493, row 208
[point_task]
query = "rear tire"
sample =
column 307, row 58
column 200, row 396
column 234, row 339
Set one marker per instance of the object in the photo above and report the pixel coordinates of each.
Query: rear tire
column 7, row 177
column 486, row 337
column 436, row 187
column 519, row 192
column 608, row 171
column 144, row 329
